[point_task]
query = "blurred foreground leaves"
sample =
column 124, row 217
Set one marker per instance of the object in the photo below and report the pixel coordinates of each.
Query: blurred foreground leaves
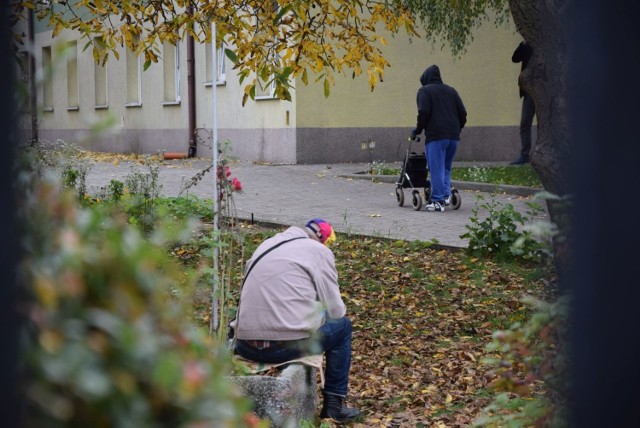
column 106, row 343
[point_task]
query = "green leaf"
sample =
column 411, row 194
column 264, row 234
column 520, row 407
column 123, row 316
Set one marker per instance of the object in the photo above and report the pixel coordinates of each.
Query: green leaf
column 327, row 89
column 167, row 371
column 281, row 12
column 231, row 55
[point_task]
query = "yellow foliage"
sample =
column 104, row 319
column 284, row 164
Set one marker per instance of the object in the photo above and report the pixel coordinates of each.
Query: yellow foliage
column 284, row 38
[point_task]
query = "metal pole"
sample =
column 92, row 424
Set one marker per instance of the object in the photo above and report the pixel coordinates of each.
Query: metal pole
column 214, row 125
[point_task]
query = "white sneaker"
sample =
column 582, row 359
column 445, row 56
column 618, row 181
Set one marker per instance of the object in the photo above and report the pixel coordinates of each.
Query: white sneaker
column 447, row 201
column 435, row 206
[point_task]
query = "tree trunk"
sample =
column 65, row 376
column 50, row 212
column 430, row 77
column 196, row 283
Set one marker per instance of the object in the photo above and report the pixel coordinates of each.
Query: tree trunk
column 543, row 24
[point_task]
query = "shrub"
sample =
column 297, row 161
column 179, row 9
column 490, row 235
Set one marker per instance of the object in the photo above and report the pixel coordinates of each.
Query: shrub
column 529, row 356
column 499, row 234
column 106, row 341
column 142, row 189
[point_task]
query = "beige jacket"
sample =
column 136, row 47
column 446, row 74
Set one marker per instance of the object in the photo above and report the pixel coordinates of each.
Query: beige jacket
column 290, row 290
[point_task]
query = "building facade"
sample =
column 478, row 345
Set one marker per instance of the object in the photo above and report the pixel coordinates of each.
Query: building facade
column 118, row 107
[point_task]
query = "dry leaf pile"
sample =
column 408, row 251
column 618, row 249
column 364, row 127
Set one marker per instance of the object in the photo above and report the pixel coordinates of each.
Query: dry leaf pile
column 422, row 317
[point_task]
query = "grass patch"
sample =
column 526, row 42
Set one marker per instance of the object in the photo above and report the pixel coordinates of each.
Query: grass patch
column 514, row 175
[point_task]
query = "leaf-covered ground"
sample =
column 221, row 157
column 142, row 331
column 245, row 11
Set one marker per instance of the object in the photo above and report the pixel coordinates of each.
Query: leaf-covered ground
column 422, row 317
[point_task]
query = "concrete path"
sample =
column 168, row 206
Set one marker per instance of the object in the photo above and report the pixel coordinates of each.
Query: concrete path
column 292, row 194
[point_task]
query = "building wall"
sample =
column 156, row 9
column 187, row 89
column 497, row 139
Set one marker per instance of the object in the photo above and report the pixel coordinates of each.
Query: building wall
column 333, row 129
column 262, row 130
column 311, row 128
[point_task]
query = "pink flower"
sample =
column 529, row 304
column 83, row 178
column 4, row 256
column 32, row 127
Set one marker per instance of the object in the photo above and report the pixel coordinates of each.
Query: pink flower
column 194, row 374
column 227, row 171
column 237, row 186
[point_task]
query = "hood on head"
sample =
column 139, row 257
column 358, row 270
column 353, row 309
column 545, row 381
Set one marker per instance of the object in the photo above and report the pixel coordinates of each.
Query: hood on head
column 431, row 75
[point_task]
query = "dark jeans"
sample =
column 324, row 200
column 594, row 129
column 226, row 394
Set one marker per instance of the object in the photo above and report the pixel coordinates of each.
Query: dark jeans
column 333, row 338
column 526, row 119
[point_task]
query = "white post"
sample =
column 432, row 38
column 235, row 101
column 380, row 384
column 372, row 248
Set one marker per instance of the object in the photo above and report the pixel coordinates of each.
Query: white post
column 214, row 147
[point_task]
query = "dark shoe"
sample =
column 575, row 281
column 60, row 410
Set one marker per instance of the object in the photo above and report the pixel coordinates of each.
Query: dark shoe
column 521, row 160
column 333, row 407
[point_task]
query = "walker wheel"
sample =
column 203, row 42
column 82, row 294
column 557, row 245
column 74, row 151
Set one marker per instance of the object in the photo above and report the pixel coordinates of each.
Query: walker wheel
column 417, row 200
column 456, row 199
column 400, row 196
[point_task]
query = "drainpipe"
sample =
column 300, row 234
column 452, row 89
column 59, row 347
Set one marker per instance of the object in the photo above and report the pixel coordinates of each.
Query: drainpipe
column 32, row 80
column 191, row 77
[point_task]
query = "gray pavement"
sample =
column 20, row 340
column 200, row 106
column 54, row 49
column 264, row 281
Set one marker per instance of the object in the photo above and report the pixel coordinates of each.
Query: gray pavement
column 351, row 202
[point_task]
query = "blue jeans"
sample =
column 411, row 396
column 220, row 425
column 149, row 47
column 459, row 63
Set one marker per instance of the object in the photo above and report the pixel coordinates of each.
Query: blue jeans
column 333, row 338
column 440, row 155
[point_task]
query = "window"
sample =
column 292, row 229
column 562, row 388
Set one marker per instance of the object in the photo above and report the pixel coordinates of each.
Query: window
column 72, row 76
column 265, row 89
column 100, row 74
column 171, row 68
column 134, row 79
column 220, row 63
column 47, row 84
column 25, row 81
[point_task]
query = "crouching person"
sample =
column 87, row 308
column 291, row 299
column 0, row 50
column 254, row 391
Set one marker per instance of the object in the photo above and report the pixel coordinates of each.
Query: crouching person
column 290, row 306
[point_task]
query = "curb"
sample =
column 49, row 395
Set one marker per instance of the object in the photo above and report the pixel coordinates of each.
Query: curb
column 460, row 185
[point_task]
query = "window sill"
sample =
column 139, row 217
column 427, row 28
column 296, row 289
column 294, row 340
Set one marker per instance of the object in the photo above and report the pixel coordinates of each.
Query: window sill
column 171, row 103
column 133, row 105
column 73, row 108
column 218, row 83
column 101, row 106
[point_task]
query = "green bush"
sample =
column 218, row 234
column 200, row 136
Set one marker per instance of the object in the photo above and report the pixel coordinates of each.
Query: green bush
column 531, row 359
column 107, row 340
column 187, row 206
column 499, row 235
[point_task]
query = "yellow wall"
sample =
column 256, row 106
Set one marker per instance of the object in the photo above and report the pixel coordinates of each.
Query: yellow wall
column 484, row 76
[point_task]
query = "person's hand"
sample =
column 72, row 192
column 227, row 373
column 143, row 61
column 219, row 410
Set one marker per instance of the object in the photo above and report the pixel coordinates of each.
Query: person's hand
column 414, row 133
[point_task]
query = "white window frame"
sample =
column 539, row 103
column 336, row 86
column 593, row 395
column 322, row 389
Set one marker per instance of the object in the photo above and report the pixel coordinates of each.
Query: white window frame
column 73, row 82
column 221, row 76
column 130, row 102
column 97, row 74
column 222, row 72
column 176, row 100
column 47, row 82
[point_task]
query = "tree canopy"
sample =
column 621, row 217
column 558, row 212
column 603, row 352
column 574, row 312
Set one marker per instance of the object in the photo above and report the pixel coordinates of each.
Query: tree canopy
column 452, row 22
column 270, row 40
column 273, row 40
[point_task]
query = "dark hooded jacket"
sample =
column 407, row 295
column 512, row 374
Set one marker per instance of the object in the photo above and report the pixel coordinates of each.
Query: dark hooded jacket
column 441, row 113
column 522, row 54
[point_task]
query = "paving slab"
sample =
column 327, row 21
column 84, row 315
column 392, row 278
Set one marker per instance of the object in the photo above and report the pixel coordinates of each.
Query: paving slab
column 351, row 202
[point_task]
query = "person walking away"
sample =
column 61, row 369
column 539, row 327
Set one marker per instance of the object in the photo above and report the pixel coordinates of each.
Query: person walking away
column 441, row 115
column 523, row 54
column 290, row 306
